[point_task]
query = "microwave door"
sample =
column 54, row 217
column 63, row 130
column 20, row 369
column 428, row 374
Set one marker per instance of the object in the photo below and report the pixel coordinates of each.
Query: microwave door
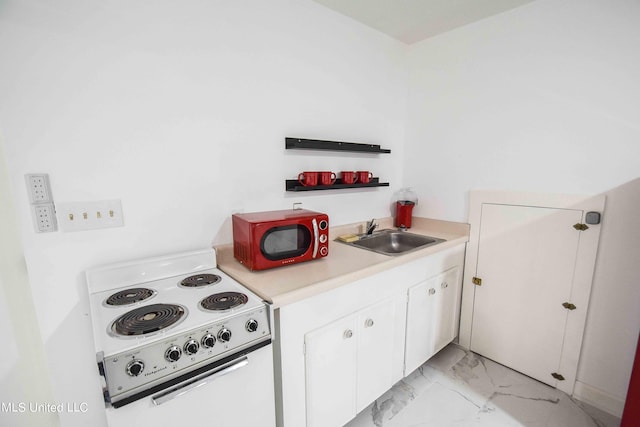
column 316, row 237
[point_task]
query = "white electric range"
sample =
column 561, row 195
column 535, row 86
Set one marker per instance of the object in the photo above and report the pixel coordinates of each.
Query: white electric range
column 178, row 340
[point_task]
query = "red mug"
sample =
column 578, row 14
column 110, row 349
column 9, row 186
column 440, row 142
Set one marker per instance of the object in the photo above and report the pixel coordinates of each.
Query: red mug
column 308, row 178
column 327, row 178
column 348, row 177
column 364, row 176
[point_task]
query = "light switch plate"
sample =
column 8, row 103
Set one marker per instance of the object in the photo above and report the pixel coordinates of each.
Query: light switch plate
column 82, row 216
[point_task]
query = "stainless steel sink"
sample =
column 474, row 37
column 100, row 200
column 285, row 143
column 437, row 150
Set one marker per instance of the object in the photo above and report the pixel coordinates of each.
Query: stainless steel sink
column 392, row 242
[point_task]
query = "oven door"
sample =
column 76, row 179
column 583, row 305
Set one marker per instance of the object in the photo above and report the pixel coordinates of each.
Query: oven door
column 239, row 393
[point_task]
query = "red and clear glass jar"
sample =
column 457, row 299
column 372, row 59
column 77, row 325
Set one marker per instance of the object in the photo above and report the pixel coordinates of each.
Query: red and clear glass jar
column 406, row 199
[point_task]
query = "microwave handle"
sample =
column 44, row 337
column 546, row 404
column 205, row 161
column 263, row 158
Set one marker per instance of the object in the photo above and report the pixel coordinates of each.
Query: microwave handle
column 316, row 237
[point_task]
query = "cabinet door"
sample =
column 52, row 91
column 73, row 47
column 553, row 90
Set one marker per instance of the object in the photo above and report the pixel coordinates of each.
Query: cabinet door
column 420, row 324
column 379, row 366
column 330, row 357
column 447, row 309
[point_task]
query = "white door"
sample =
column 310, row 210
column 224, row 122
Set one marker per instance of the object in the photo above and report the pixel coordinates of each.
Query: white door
column 526, row 261
column 330, row 357
column 433, row 315
column 420, row 324
column 375, row 359
column 447, row 309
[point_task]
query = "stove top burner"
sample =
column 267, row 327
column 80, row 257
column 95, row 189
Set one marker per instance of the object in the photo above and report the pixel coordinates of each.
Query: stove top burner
column 147, row 319
column 223, row 301
column 199, row 280
column 129, row 296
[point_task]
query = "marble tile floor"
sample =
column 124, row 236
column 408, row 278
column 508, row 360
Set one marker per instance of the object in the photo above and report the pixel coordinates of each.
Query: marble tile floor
column 459, row 388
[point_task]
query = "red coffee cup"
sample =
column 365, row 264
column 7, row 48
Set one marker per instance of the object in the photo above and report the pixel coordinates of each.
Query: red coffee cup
column 327, row 178
column 364, row 176
column 348, row 177
column 308, row 178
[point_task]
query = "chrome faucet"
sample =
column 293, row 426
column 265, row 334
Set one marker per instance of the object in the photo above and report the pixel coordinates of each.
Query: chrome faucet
column 371, row 226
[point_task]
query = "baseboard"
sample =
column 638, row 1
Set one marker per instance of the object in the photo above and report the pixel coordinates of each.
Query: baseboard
column 599, row 399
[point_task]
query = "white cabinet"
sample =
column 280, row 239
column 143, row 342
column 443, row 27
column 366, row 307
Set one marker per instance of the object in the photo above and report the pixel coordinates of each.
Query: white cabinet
column 432, row 317
column 324, row 378
column 330, row 354
column 447, row 313
column 380, row 352
column 352, row 361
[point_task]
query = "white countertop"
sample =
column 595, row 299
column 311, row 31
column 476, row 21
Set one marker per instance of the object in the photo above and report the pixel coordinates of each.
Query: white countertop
column 344, row 264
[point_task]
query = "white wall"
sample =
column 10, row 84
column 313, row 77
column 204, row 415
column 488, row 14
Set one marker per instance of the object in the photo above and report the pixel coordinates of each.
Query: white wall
column 180, row 109
column 24, row 377
column 542, row 98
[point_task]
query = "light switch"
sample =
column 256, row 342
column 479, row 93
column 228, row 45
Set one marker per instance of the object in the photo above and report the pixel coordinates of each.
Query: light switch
column 81, row 216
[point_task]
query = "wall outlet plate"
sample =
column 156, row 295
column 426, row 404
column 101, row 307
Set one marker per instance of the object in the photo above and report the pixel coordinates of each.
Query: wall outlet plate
column 38, row 188
column 82, row 216
column 44, row 217
column 43, row 210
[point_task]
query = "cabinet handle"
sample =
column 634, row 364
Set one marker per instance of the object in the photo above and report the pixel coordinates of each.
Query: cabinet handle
column 368, row 323
column 348, row 333
column 444, row 285
column 432, row 291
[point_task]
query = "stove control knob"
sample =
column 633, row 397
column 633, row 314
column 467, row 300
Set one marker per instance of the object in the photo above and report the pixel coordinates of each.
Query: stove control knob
column 224, row 335
column 173, row 353
column 252, row 325
column 208, row 341
column 191, row 347
column 135, row 367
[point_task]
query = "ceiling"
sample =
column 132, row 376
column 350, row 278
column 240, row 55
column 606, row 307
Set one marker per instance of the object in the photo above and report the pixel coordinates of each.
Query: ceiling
column 411, row 21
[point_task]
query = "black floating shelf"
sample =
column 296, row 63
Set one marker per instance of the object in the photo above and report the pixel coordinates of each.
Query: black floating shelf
column 294, row 185
column 316, row 144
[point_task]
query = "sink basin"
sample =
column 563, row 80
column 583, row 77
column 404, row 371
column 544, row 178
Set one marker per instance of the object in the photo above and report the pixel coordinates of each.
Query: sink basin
column 392, row 242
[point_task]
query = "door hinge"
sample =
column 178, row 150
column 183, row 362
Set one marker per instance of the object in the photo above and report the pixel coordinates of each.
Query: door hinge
column 580, row 227
column 557, row 376
column 477, row 281
column 568, row 306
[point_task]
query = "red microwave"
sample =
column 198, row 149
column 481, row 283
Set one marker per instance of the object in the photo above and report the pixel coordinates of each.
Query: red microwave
column 263, row 240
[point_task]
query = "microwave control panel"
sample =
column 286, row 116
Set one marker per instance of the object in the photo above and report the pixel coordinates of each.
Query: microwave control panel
column 323, row 225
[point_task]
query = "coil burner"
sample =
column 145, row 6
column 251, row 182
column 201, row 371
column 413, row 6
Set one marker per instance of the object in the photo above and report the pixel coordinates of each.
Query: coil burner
column 129, row 296
column 199, row 280
column 147, row 319
column 223, row 301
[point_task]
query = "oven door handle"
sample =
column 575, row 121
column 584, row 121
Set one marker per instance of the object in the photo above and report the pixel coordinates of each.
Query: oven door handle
column 199, row 381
